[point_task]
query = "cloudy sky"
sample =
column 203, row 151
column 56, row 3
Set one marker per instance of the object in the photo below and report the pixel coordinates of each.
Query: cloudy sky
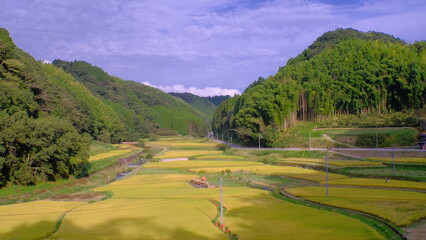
column 207, row 47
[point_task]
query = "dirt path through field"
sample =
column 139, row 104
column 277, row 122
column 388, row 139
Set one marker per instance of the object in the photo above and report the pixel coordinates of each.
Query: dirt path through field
column 418, row 232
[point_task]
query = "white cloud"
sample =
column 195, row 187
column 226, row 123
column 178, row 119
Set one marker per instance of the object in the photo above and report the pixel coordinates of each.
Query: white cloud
column 196, row 42
column 202, row 92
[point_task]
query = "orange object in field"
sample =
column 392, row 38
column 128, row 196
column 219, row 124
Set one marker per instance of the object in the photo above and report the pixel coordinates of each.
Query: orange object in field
column 203, row 179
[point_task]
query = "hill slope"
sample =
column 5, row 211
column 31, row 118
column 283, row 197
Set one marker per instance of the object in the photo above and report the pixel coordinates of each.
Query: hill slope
column 142, row 109
column 200, row 103
column 343, row 72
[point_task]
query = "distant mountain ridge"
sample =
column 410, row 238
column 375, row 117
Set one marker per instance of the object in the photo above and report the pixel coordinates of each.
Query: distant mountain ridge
column 142, row 109
column 206, row 105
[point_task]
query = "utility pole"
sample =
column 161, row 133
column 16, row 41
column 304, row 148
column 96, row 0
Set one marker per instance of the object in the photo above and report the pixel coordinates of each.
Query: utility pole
column 222, row 135
column 310, row 144
column 326, row 173
column 259, row 140
column 221, row 204
column 231, row 140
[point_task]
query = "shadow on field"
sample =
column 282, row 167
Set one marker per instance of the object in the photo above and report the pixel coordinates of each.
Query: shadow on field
column 123, row 228
column 29, row 231
column 128, row 228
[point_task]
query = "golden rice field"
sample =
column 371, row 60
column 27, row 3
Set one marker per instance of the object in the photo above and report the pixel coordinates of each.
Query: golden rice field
column 182, row 144
column 164, row 206
column 400, row 207
column 201, row 164
column 293, row 172
column 109, row 154
column 186, row 153
column 340, row 163
column 32, row 220
column 219, row 157
column 399, row 159
column 370, row 182
column 252, row 213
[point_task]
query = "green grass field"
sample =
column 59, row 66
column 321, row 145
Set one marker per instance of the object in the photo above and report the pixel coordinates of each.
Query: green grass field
column 400, row 207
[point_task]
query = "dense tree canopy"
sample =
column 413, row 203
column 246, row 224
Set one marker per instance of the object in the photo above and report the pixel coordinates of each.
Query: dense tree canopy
column 343, row 72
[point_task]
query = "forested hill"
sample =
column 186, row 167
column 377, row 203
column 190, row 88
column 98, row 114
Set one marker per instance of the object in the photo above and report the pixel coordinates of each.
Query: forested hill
column 343, row 72
column 202, row 104
column 48, row 118
column 143, row 110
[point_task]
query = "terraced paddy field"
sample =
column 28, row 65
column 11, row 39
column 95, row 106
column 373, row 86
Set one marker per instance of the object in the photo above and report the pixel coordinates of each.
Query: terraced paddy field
column 201, row 164
column 172, row 209
column 400, row 207
column 340, row 163
column 186, row 153
column 32, row 220
column 123, row 150
column 293, row 172
column 220, row 157
column 183, row 144
column 382, row 183
column 398, row 159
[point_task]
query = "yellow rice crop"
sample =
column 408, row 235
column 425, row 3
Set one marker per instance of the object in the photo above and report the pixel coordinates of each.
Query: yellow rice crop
column 201, row 164
column 186, row 153
column 183, row 144
column 399, row 159
column 109, row 154
column 155, row 206
column 400, row 207
column 32, row 220
column 369, row 182
column 218, row 157
column 343, row 163
column 293, row 172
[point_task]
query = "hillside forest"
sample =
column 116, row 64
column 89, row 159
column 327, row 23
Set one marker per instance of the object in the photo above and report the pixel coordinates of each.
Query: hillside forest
column 345, row 78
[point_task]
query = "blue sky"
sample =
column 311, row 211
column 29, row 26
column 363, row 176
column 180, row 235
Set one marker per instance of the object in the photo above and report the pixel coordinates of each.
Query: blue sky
column 206, row 47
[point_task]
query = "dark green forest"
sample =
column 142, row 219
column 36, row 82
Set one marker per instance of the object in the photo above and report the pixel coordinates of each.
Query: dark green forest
column 48, row 117
column 343, row 73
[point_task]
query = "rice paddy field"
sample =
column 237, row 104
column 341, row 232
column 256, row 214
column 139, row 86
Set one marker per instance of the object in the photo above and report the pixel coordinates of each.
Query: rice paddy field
column 201, row 164
column 398, row 159
column 220, row 157
column 293, row 172
column 182, row 144
column 400, row 207
column 186, row 153
column 157, row 201
column 32, row 220
column 334, row 162
column 165, row 206
column 368, row 182
column 122, row 150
